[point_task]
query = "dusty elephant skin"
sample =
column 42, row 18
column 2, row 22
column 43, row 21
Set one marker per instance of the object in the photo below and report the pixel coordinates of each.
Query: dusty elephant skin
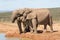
column 18, row 15
column 39, row 16
column 15, row 15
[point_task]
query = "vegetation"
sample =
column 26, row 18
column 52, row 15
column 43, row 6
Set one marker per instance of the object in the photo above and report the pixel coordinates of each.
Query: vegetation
column 6, row 16
column 55, row 13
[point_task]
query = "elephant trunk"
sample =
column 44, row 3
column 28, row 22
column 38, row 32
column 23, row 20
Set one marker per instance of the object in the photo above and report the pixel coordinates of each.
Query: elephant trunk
column 13, row 20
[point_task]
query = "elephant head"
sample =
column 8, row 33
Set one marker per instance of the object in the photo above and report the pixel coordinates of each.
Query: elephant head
column 17, row 14
column 20, row 14
column 27, row 11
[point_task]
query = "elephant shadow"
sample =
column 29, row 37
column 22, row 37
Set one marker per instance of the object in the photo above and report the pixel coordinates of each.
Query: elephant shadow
column 53, row 31
column 27, row 29
column 39, row 31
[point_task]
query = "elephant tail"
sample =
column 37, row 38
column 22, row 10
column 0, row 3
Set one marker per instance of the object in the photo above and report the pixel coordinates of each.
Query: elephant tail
column 51, row 23
column 50, row 20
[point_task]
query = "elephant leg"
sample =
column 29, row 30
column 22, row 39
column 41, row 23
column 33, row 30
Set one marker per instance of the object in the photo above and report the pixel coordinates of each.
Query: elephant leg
column 19, row 26
column 45, row 27
column 31, row 29
column 51, row 27
column 34, row 25
column 29, row 22
column 51, row 24
column 26, row 27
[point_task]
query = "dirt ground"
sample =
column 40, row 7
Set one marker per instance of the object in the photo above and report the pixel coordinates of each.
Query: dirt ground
column 11, row 30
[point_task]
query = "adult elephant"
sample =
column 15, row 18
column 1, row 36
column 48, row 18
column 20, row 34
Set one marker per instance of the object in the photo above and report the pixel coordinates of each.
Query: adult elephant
column 39, row 16
column 18, row 15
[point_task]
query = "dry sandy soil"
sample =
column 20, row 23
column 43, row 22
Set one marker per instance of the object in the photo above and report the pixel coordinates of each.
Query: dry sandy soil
column 11, row 30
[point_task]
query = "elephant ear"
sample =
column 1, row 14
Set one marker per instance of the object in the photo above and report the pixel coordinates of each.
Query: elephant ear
column 27, row 10
column 21, row 11
column 14, row 13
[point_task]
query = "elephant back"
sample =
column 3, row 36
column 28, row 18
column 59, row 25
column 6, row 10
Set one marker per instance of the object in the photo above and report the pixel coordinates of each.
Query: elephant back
column 31, row 16
column 42, row 14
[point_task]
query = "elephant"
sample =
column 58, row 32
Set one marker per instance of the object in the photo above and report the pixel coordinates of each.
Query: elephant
column 39, row 17
column 18, row 15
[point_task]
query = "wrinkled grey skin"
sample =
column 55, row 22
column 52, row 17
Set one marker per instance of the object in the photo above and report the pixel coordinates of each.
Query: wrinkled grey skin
column 34, row 17
column 18, row 15
column 41, row 17
column 25, row 25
